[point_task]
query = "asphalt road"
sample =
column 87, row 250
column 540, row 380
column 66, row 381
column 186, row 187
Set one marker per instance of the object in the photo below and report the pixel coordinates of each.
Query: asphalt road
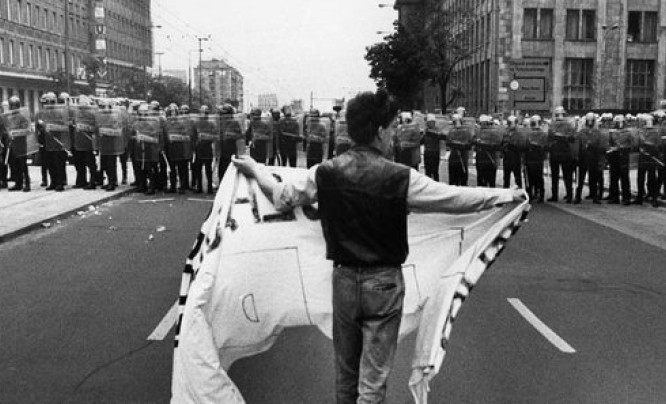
column 80, row 300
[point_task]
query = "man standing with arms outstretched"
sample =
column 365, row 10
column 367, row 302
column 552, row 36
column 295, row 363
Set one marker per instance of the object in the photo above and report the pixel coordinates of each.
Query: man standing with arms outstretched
column 363, row 201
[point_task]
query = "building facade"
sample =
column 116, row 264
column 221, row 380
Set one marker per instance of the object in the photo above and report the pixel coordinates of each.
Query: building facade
column 267, row 101
column 534, row 55
column 40, row 40
column 222, row 81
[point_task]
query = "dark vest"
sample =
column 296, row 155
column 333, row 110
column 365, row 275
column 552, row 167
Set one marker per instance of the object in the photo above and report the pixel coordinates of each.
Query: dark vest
column 363, row 208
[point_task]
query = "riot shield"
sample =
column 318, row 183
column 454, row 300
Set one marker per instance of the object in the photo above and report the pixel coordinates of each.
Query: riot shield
column 208, row 136
column 651, row 141
column 318, row 134
column 111, row 132
column 179, row 136
column 563, row 128
column 147, row 145
column 409, row 138
column 85, row 134
column 232, row 126
column 460, row 138
column 291, row 129
column 56, row 125
column 601, row 141
column 624, row 139
column 262, row 138
column 22, row 139
column 517, row 139
column 232, row 130
column 490, row 138
column 537, row 139
column 318, row 129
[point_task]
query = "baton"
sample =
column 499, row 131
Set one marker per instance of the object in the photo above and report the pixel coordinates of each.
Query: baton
column 69, row 153
column 9, row 145
column 462, row 163
column 656, row 160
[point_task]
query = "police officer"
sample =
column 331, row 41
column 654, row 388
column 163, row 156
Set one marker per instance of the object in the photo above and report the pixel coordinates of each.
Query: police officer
column 18, row 153
column 561, row 136
column 206, row 136
column 84, row 154
column 289, row 132
column 232, row 135
column 618, row 160
column 255, row 136
column 534, row 157
column 512, row 148
column 275, row 156
column 317, row 137
column 184, row 112
column 459, row 142
column 432, row 148
column 588, row 161
column 486, row 154
column 649, row 158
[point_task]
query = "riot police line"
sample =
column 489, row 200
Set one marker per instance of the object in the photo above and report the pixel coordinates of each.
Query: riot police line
column 170, row 148
column 577, row 149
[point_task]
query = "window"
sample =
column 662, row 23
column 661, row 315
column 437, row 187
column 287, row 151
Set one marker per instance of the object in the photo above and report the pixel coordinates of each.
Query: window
column 642, row 26
column 578, row 78
column 639, row 85
column 31, row 51
column 538, row 23
column 40, row 55
column 11, row 52
column 2, row 51
column 28, row 13
column 581, row 25
column 21, row 54
column 48, row 60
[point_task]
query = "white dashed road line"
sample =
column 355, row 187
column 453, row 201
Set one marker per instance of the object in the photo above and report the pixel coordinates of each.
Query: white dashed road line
column 165, row 325
column 549, row 334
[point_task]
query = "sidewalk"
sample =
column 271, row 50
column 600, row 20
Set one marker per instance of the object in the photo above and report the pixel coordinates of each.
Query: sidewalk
column 22, row 212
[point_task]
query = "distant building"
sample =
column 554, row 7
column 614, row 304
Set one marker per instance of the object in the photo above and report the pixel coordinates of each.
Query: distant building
column 180, row 74
column 222, row 81
column 534, row 55
column 267, row 101
column 37, row 41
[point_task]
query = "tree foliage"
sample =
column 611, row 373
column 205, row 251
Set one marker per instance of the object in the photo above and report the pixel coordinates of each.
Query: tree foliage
column 396, row 65
column 427, row 50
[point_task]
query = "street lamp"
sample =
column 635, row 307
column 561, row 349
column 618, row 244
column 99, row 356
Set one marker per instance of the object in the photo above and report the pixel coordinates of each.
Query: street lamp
column 384, row 5
column 145, row 64
column 383, row 33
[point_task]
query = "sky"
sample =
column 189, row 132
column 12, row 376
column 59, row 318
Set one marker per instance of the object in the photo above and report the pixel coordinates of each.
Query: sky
column 288, row 47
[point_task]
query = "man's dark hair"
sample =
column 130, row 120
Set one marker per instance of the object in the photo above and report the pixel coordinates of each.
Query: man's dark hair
column 367, row 112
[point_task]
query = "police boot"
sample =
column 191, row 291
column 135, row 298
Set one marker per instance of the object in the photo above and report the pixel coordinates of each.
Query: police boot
column 16, row 187
column 577, row 200
column 638, row 200
column 542, row 195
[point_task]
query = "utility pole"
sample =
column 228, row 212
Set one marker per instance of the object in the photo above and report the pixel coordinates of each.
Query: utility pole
column 159, row 63
column 200, row 39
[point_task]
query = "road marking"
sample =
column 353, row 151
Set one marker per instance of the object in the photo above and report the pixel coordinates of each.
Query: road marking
column 549, row 334
column 165, row 325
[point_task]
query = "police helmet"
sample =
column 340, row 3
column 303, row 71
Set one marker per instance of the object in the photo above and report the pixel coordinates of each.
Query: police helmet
column 256, row 112
column 63, row 98
column 315, row 113
column 535, row 119
column 619, row 118
column 287, row 110
column 456, row 118
column 559, row 111
column 155, row 105
column 204, row 109
column 590, row 116
column 184, row 109
column 14, row 102
column 648, row 120
column 485, row 119
column 512, row 119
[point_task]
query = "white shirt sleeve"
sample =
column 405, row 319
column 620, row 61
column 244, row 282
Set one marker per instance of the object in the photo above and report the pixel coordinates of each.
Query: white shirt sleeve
column 287, row 195
column 426, row 195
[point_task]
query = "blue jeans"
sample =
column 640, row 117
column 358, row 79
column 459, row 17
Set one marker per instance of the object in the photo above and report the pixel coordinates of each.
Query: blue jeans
column 367, row 310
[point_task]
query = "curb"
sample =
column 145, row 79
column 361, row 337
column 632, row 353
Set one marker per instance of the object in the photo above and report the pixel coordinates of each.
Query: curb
column 38, row 225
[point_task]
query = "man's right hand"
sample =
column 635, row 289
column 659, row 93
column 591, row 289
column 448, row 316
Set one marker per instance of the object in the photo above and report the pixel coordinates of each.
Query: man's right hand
column 246, row 165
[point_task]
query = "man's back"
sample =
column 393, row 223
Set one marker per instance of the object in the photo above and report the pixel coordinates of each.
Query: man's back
column 363, row 206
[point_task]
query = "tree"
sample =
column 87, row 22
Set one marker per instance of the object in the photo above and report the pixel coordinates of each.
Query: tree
column 59, row 83
column 396, row 65
column 427, row 50
column 446, row 41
